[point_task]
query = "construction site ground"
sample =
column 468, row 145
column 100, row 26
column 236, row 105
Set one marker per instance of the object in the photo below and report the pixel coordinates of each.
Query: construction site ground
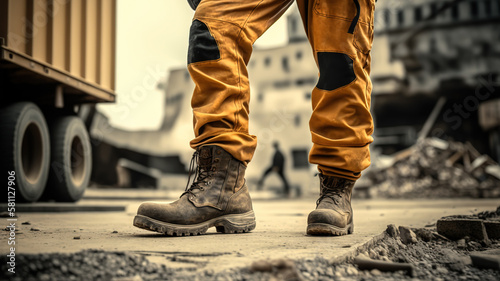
column 280, row 231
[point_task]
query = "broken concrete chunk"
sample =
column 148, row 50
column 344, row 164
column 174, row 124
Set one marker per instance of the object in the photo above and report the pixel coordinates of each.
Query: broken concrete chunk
column 369, row 264
column 486, row 261
column 392, row 230
column 456, row 228
column 407, row 235
column 492, row 229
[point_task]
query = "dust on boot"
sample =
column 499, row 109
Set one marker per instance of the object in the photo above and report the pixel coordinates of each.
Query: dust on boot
column 217, row 197
column 333, row 214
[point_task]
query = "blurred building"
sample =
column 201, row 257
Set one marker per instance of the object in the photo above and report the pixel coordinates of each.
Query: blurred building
column 447, row 49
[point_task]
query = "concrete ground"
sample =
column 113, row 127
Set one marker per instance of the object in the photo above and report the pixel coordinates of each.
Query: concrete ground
column 280, row 231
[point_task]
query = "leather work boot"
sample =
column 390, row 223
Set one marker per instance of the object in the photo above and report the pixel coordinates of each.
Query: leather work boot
column 333, row 214
column 217, row 197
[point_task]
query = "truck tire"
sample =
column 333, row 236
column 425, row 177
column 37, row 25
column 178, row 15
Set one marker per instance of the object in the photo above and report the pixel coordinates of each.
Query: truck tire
column 71, row 160
column 25, row 148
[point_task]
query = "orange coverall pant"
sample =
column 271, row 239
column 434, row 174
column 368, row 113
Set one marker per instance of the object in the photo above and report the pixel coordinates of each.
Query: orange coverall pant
column 340, row 33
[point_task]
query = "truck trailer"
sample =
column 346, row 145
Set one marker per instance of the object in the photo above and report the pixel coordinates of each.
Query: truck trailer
column 56, row 56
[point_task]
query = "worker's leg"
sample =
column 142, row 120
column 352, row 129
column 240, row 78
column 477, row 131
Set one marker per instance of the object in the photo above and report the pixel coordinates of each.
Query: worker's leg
column 260, row 184
column 220, row 44
column 341, row 34
column 341, row 124
column 286, row 186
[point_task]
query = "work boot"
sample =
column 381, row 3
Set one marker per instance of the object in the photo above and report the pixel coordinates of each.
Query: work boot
column 217, row 197
column 333, row 214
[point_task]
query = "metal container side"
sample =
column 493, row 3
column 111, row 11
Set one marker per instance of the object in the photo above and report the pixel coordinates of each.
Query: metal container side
column 76, row 37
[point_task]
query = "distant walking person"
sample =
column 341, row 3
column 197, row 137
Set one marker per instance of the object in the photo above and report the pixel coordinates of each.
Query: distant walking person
column 277, row 166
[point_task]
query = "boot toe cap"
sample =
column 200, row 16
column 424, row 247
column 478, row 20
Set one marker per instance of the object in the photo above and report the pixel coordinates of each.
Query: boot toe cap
column 327, row 216
column 152, row 210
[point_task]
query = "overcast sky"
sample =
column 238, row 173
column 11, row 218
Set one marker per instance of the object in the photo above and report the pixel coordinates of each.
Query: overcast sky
column 152, row 37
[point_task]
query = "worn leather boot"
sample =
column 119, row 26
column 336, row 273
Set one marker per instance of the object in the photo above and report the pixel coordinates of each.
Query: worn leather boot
column 217, row 197
column 333, row 214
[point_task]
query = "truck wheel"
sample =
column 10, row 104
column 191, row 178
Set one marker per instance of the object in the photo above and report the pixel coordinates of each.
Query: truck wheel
column 71, row 159
column 25, row 148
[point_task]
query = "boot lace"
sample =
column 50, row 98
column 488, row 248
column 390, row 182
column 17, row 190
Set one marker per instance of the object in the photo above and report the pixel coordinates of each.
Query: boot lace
column 202, row 174
column 331, row 189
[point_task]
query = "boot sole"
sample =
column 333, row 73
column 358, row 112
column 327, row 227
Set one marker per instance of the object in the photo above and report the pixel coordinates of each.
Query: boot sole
column 233, row 223
column 324, row 229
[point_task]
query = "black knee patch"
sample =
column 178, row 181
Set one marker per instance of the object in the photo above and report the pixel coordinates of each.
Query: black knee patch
column 194, row 3
column 202, row 45
column 335, row 70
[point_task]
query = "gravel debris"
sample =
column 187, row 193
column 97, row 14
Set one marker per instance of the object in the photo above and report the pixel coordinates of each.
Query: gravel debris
column 86, row 265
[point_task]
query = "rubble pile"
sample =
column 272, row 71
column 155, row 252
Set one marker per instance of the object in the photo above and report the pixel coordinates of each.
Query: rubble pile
column 482, row 226
column 431, row 256
column 436, row 168
column 404, row 253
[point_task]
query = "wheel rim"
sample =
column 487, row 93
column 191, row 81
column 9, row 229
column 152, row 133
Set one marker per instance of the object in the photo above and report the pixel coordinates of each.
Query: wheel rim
column 32, row 153
column 78, row 170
